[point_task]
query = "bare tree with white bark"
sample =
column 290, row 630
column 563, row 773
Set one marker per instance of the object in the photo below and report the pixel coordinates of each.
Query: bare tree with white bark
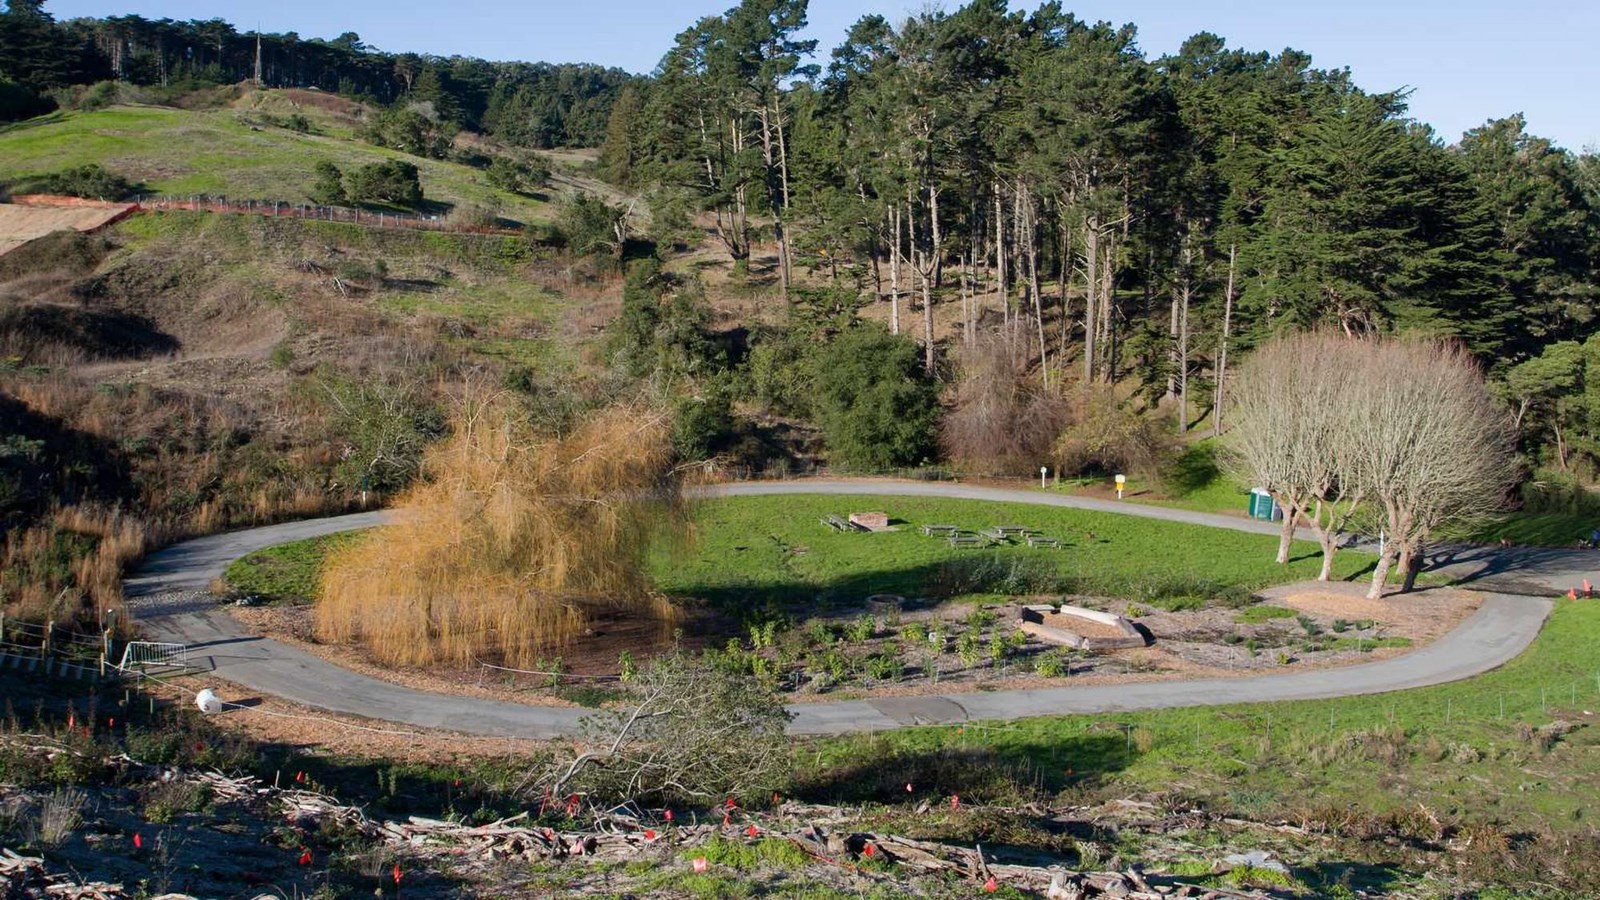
column 1327, row 422
column 1433, row 446
column 1290, row 413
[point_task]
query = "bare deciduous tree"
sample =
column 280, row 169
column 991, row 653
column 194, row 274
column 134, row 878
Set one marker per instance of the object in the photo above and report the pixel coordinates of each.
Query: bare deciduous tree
column 1290, row 409
column 1432, row 446
column 1327, row 423
column 1004, row 421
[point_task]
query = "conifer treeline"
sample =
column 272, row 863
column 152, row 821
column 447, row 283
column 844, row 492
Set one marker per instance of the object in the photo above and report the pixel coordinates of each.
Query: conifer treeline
column 526, row 104
column 1126, row 217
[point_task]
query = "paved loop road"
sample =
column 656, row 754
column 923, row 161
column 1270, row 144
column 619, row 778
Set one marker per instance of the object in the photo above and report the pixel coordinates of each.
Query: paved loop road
column 167, row 597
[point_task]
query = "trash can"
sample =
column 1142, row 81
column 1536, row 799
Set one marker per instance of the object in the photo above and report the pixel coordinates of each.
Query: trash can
column 1263, row 507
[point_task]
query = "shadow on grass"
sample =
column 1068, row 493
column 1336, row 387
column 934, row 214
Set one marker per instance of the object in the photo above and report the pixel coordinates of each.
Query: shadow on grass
column 880, row 769
column 1348, row 875
column 1012, row 571
column 1197, row 468
column 768, row 599
column 52, row 118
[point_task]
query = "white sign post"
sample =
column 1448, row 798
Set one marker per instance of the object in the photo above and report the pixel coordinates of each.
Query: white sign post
column 1122, row 483
column 1042, row 471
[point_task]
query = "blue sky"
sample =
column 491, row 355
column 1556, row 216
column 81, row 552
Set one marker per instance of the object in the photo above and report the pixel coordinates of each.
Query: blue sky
column 1467, row 61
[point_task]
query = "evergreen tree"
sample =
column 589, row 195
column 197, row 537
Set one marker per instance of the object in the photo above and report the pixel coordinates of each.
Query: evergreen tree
column 1545, row 228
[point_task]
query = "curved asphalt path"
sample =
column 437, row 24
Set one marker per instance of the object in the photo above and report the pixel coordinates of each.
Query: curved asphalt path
column 1503, row 626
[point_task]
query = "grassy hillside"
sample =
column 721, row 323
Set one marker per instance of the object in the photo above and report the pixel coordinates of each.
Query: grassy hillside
column 187, row 372
column 232, row 152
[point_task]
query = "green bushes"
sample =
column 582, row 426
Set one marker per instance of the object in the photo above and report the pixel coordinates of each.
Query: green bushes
column 778, row 375
column 703, row 423
column 591, row 226
column 328, row 189
column 1555, row 491
column 874, row 403
column 664, row 327
column 517, row 176
column 91, row 182
column 384, row 424
column 392, row 182
column 409, row 130
column 1107, row 435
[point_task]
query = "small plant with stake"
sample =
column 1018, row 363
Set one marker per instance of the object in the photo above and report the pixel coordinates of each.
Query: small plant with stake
column 860, row 629
column 967, row 649
column 1050, row 664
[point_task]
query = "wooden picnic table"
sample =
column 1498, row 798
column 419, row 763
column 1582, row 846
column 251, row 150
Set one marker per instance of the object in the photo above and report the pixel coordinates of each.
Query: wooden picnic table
column 1039, row 540
column 968, row 540
column 939, row 529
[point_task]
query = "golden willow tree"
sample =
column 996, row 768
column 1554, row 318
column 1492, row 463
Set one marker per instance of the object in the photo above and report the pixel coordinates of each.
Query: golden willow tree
column 512, row 542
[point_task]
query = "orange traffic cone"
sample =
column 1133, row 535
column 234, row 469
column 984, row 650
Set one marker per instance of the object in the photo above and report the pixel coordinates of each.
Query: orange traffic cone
column 1572, row 593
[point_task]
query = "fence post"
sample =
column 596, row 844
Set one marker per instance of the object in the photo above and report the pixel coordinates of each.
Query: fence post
column 44, row 646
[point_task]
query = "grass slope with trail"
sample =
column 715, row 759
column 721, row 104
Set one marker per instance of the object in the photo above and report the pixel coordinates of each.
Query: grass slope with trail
column 182, row 373
column 233, row 152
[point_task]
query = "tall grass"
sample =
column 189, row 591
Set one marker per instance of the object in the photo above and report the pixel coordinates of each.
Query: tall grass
column 70, row 565
column 512, row 542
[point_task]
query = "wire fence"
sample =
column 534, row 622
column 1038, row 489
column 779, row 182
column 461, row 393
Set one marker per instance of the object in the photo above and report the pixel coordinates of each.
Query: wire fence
column 51, row 642
column 1442, row 724
column 347, row 214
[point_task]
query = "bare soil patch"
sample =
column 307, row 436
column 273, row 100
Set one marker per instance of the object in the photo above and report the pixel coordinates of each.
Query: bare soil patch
column 1423, row 614
column 1079, row 625
column 21, row 224
column 273, row 720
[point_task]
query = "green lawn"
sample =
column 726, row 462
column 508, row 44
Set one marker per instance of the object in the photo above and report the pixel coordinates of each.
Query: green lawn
column 1536, row 529
column 182, row 152
column 751, row 554
column 754, row 551
column 287, row 573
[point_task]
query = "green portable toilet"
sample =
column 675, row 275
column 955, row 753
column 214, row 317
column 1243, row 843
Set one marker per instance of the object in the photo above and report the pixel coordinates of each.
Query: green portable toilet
column 1263, row 507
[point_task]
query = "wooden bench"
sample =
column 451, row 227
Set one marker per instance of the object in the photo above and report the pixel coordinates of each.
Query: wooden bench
column 1039, row 540
column 996, row 535
column 942, row 530
column 1014, row 530
column 968, row 540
